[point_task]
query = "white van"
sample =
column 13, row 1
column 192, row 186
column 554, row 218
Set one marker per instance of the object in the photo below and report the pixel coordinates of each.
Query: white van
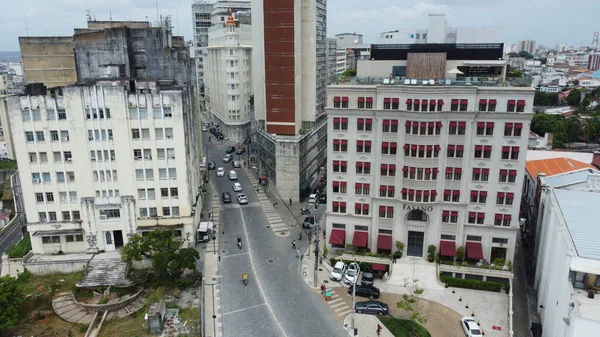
column 232, row 175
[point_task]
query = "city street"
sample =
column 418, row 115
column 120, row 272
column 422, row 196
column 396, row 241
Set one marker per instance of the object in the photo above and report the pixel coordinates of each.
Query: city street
column 276, row 301
column 9, row 238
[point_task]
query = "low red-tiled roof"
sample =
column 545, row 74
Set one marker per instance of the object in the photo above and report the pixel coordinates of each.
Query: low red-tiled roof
column 554, row 166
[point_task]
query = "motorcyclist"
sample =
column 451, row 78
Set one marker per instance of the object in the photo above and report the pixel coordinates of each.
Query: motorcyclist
column 239, row 241
column 245, row 278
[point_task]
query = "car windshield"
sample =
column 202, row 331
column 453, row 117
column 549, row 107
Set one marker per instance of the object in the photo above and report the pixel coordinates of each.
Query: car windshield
column 351, row 272
column 337, row 270
column 475, row 332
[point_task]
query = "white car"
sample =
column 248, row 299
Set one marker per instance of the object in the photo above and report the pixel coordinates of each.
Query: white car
column 220, row 172
column 227, row 158
column 237, row 187
column 232, row 175
column 471, row 327
column 351, row 275
column 242, row 199
column 338, row 271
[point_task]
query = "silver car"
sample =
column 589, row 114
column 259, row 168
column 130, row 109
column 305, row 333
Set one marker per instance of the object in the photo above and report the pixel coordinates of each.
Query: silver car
column 242, row 200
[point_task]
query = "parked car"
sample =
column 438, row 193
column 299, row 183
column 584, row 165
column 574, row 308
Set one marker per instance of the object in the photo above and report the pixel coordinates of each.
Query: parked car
column 323, row 198
column 237, row 187
column 226, row 197
column 211, row 165
column 230, row 149
column 227, row 158
column 240, row 151
column 338, row 271
column 367, row 278
column 236, row 164
column 232, row 175
column 372, row 307
column 309, row 221
column 352, row 273
column 242, row 200
column 204, row 128
column 471, row 327
column 365, row 291
column 220, row 172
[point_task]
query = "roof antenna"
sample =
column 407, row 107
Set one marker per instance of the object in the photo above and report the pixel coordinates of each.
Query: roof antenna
column 26, row 28
column 109, row 15
column 157, row 17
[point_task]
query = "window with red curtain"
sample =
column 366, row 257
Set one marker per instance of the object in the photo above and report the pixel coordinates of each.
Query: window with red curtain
column 514, row 154
column 396, row 103
column 369, row 104
column 463, row 104
column 503, row 177
column 521, row 105
column 510, row 105
column 492, row 105
column 360, row 124
column 368, row 124
column 480, row 218
column 454, row 217
column 487, row 151
column 360, row 103
column 336, row 166
column 337, row 123
column 390, row 212
column 518, row 128
column 454, row 105
column 512, row 176
column 482, row 104
column 508, row 129
column 472, row 217
column 383, row 191
column 337, row 102
column 345, row 102
column 382, row 210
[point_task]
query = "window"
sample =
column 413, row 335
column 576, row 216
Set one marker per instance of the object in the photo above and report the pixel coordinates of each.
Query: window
column 363, row 146
column 369, row 103
column 43, row 217
column 520, row 105
column 364, row 124
column 482, row 151
column 340, row 166
column 479, row 197
column 510, row 105
column 110, row 213
column 25, row 115
column 49, row 197
column 337, row 102
column 29, row 136
column 50, row 239
column 386, row 191
column 62, row 114
column 52, row 216
column 388, row 170
column 387, row 103
column 339, row 186
column 54, row 136
column 463, row 104
column 39, row 136
column 363, row 168
column 492, row 105
column 361, row 209
column 360, row 188
column 340, row 145
column 484, row 128
column 454, row 105
column 149, row 174
column 482, row 104
column 46, row 177
column 502, row 220
column 338, row 207
column 360, row 103
column 395, row 103
column 74, row 238
column 510, row 152
column 344, row 102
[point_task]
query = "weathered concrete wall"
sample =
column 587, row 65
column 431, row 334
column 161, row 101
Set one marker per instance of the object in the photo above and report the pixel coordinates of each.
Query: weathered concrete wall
column 48, row 60
column 288, row 169
column 53, row 267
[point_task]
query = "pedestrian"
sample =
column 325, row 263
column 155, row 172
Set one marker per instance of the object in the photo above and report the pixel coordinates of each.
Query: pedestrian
column 324, row 233
column 275, row 204
column 323, row 287
column 293, row 244
column 394, row 258
column 290, row 201
column 301, row 257
column 379, row 328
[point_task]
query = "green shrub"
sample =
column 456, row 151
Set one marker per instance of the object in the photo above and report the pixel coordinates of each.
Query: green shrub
column 471, row 284
column 498, row 262
column 332, row 261
column 460, row 253
column 20, row 249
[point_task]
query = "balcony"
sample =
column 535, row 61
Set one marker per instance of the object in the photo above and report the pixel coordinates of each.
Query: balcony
column 483, row 271
column 495, row 81
column 423, row 139
column 421, row 162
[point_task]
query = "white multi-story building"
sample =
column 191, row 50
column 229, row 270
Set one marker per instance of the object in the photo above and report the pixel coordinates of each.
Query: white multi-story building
column 201, row 17
column 567, row 277
column 438, row 31
column 227, row 77
column 101, row 162
column 435, row 164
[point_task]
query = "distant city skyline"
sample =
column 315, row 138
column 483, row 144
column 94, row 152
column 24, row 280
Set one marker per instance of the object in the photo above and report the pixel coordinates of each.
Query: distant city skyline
column 520, row 20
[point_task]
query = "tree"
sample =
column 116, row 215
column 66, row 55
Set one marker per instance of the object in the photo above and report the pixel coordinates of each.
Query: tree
column 540, row 98
column 511, row 55
column 574, row 97
column 11, row 298
column 573, row 128
column 525, row 54
column 349, row 73
column 411, row 302
column 514, row 73
column 552, row 98
column 169, row 259
column 591, row 129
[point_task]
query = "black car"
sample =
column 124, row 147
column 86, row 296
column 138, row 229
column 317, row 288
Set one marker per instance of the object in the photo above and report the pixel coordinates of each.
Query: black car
column 226, row 197
column 367, row 278
column 372, row 307
column 365, row 291
column 309, row 221
column 230, row 149
column 323, row 198
column 240, row 151
column 211, row 165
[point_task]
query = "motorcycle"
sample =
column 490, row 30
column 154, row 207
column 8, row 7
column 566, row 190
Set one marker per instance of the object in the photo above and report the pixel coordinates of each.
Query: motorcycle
column 245, row 280
column 304, row 211
column 239, row 241
column 300, row 236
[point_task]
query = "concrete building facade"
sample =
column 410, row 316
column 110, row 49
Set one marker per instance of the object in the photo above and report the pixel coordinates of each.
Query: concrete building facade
column 100, row 162
column 48, row 60
column 229, row 57
column 289, row 80
column 426, row 164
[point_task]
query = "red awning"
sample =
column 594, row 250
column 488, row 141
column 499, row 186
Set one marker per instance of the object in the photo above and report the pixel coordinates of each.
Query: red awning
column 454, row 101
column 481, row 215
column 408, row 101
column 359, row 164
column 447, row 192
column 413, row 147
column 404, row 190
column 518, row 125
column 407, row 123
column 424, row 102
column 433, row 192
column 361, row 239
column 515, row 149
column 483, row 101
column 345, row 99
column 521, row 102
column 360, row 142
column 445, row 213
column 440, row 102
column 429, row 148
column 505, row 149
column 426, row 193
column 462, row 124
column 415, row 124
column 336, row 183
column 507, row 216
column 394, row 122
column 439, row 124
column 393, row 145
column 510, row 195
column 428, row 170
column 365, row 206
column 369, row 99
column 406, row 146
column 411, row 192
column 449, row 169
column 483, row 193
column 384, row 242
column 344, row 120
column 413, row 169
column 336, row 99
column 392, row 166
column 464, row 101
column 368, row 121
column 336, row 141
column 476, row 170
column 460, row 147
column 474, row 250
column 386, row 122
column 391, row 188
column 451, row 147
column 511, row 102
column 361, row 99
column 386, row 100
column 337, row 237
column 336, row 120
column 493, row 101
column 358, row 185
column 447, row 248
column 500, row 194
column 458, row 170
column 498, row 216
column 512, row 173
column 419, row 192
column 423, row 124
column 474, row 193
column 379, row 266
column 395, row 100
column 437, row 147
column 490, row 124
column 487, row 148
column 508, row 125
column 480, row 124
column 478, row 147
column 456, row 192
column 421, row 147
column 435, row 170
column 417, row 102
column 367, row 164
column 453, row 123
column 432, row 102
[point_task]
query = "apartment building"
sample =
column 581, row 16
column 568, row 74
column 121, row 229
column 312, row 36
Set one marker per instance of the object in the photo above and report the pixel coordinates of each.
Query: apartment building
column 289, row 77
column 102, row 161
column 229, row 57
column 440, row 163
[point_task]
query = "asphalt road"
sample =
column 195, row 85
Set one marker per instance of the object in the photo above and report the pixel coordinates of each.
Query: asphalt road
column 277, row 301
column 10, row 238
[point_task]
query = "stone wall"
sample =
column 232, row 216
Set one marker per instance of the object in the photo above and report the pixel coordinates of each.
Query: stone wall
column 53, row 267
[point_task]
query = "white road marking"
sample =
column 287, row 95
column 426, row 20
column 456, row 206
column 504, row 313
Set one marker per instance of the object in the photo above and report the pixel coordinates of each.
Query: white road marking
column 257, row 280
column 342, row 308
column 240, row 310
column 344, row 312
column 234, row 255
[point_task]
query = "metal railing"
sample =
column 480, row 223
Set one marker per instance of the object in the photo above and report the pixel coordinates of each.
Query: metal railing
column 495, row 81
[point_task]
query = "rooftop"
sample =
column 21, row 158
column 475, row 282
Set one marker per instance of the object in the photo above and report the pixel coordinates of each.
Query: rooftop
column 464, row 81
column 581, row 212
column 555, row 166
column 585, row 157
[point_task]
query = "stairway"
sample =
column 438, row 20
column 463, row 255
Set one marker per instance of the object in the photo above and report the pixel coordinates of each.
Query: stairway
column 415, row 268
column 104, row 272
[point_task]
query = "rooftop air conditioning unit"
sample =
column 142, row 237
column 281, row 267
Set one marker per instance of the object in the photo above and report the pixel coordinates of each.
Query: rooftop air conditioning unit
column 148, row 157
column 103, row 217
column 69, row 160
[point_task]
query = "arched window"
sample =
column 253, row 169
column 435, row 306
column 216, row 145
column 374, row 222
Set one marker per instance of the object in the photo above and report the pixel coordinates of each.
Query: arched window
column 417, row 215
column 108, row 238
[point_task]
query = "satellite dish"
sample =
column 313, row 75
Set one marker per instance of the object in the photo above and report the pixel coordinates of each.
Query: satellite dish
column 356, row 40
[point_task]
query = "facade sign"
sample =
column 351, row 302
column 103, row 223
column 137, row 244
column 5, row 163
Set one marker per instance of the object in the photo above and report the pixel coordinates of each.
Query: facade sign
column 420, row 208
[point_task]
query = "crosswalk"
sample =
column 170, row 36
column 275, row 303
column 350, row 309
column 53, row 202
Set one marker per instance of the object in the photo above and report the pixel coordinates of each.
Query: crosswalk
column 275, row 222
column 338, row 305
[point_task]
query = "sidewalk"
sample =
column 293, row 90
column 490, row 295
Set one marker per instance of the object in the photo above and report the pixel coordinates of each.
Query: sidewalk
column 210, row 278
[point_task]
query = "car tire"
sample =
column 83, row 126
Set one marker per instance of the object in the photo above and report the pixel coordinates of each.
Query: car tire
column 359, row 311
column 371, row 297
column 380, row 313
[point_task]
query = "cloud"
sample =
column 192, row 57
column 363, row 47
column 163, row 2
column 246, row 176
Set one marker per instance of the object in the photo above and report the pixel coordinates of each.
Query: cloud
column 418, row 10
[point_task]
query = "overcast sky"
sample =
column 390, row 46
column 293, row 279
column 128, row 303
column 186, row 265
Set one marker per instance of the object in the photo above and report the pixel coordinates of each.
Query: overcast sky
column 550, row 22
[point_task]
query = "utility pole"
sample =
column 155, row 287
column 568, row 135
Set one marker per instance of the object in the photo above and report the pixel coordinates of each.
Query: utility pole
column 354, row 292
column 317, row 256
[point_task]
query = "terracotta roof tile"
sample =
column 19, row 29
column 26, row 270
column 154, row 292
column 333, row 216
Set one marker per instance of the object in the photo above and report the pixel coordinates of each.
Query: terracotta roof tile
column 555, row 166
